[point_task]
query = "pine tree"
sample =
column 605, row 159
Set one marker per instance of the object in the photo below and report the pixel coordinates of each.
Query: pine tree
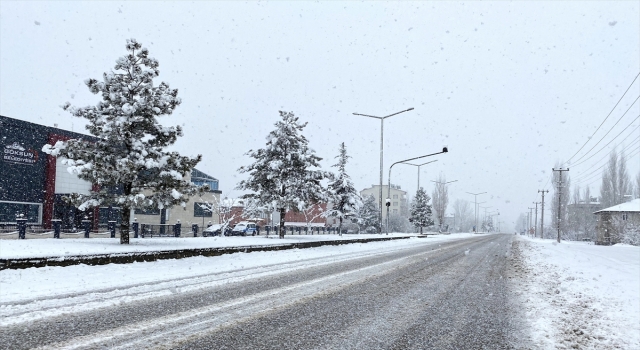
column 283, row 175
column 368, row 215
column 128, row 152
column 421, row 213
column 345, row 199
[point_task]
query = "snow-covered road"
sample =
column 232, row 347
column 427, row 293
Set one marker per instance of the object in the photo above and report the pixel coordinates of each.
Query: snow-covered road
column 458, row 291
column 383, row 290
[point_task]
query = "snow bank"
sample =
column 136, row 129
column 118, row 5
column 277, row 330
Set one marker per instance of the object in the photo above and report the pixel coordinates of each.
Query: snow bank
column 49, row 247
column 579, row 295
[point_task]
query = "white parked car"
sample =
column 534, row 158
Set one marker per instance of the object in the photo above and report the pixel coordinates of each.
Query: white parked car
column 244, row 228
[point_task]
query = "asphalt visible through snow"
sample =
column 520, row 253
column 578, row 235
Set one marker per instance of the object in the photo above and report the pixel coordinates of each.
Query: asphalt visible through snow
column 448, row 295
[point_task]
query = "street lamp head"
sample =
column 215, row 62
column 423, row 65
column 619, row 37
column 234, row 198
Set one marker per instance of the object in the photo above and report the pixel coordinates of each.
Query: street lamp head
column 445, row 149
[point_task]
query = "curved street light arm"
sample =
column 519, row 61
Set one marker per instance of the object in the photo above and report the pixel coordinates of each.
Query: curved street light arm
column 444, row 150
column 422, row 163
column 444, row 183
column 370, row 116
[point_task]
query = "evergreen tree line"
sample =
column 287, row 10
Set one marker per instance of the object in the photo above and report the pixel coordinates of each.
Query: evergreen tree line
column 128, row 162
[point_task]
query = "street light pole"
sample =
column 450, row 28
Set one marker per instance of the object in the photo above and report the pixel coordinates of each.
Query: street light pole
column 491, row 215
column 440, row 191
column 475, row 209
column 444, row 150
column 419, row 165
column 484, row 218
column 382, row 152
column 444, row 183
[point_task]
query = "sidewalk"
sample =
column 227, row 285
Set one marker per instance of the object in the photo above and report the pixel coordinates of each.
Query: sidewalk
column 580, row 295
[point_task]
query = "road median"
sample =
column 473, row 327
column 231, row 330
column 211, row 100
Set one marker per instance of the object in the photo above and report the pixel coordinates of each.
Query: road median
column 131, row 257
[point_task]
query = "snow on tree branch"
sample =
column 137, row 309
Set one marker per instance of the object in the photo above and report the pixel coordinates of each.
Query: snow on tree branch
column 127, row 150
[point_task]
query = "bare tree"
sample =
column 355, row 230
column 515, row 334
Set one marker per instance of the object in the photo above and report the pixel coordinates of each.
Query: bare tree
column 440, row 199
column 463, row 215
column 625, row 188
column 222, row 209
column 615, row 181
column 313, row 212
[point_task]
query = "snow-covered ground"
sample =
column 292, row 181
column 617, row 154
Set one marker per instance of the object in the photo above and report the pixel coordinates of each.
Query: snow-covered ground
column 49, row 247
column 35, row 293
column 579, row 295
column 576, row 295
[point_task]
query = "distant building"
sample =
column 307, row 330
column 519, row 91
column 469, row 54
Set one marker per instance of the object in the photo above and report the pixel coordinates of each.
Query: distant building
column 613, row 220
column 399, row 200
column 34, row 184
column 581, row 219
column 195, row 211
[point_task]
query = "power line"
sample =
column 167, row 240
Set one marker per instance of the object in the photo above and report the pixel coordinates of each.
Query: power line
column 605, row 119
column 614, row 125
column 605, row 156
column 592, row 176
column 597, row 179
column 605, row 146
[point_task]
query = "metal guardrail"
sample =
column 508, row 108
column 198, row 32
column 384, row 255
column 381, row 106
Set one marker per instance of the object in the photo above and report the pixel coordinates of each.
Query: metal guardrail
column 142, row 230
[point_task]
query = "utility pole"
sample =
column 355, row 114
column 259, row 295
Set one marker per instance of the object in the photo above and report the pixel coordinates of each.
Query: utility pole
column 559, row 170
column 530, row 218
column 542, row 214
column 535, row 223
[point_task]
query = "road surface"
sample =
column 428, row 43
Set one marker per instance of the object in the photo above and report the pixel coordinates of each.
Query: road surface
column 448, row 295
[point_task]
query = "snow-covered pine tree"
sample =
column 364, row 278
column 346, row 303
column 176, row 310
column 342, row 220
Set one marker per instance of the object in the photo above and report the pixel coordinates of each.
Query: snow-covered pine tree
column 345, row 199
column 368, row 215
column 128, row 152
column 284, row 174
column 421, row 213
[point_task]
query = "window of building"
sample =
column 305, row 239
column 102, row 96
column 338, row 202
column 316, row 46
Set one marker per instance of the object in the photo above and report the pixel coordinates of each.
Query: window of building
column 213, row 184
column 200, row 210
column 107, row 214
column 395, row 196
column 10, row 210
column 395, row 204
column 395, row 211
column 147, row 211
column 624, row 216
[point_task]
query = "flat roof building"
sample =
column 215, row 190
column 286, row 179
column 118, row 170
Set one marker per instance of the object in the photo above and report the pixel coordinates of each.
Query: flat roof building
column 34, row 184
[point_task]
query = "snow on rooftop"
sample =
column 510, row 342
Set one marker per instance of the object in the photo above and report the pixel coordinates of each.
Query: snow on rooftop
column 630, row 206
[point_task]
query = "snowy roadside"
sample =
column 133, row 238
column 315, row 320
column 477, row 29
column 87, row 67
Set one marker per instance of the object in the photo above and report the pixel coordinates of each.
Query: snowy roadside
column 579, row 295
column 35, row 293
column 49, row 247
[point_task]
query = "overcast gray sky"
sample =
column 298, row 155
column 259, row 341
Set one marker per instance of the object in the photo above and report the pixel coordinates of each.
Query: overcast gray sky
column 509, row 87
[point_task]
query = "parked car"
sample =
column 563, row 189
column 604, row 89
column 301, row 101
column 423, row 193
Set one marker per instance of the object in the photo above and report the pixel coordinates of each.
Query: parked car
column 243, row 229
column 215, row 230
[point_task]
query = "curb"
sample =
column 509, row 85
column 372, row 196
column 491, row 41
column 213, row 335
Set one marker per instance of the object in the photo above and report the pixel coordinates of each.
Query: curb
column 127, row 258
